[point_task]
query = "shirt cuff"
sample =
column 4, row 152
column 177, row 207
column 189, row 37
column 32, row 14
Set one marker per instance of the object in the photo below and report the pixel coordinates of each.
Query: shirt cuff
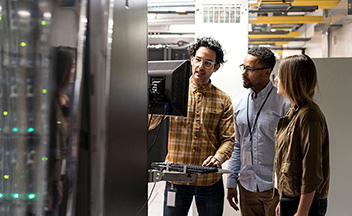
column 231, row 183
column 219, row 159
column 309, row 188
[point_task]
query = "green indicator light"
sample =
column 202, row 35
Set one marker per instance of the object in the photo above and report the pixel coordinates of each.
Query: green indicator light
column 15, row 195
column 44, row 158
column 32, row 152
column 31, row 196
column 30, row 130
column 44, row 91
column 5, row 113
column 1, row 195
column 43, row 22
column 15, row 129
column 23, row 44
column 0, row 18
column 6, row 176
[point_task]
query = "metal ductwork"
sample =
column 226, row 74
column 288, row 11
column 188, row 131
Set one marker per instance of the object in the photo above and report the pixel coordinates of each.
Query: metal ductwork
column 336, row 16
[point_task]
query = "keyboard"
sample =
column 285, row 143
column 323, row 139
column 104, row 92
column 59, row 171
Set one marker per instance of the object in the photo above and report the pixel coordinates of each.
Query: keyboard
column 178, row 167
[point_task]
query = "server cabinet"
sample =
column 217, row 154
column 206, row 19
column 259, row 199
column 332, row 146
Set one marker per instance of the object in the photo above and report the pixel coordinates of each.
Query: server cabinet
column 24, row 104
column 125, row 183
column 38, row 176
column 33, row 165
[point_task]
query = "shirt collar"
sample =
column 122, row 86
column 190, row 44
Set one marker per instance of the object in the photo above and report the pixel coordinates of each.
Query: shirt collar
column 194, row 87
column 263, row 93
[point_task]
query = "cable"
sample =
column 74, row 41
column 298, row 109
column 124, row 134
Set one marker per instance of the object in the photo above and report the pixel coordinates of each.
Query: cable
column 157, row 133
column 151, row 116
column 166, row 107
column 166, row 110
column 150, row 195
column 151, row 192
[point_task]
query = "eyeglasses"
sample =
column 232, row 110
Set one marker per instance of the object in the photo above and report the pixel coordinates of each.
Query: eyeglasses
column 250, row 70
column 207, row 63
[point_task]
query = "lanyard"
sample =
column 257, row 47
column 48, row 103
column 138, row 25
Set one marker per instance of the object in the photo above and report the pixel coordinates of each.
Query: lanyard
column 256, row 118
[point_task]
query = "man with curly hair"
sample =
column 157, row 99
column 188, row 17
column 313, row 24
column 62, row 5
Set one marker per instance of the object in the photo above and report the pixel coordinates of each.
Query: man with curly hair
column 256, row 114
column 205, row 137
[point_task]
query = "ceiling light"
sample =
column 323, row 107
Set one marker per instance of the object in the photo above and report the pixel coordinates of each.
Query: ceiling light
column 181, row 9
column 151, row 16
column 171, row 36
column 24, row 13
column 182, row 28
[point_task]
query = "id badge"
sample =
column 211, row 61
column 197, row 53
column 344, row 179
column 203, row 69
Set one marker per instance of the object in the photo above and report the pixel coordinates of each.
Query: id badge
column 171, row 197
column 249, row 158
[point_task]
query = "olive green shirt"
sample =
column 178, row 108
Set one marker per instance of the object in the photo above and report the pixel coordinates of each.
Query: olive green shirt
column 302, row 152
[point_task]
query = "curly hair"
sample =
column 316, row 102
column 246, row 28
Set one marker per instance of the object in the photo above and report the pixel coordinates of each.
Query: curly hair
column 209, row 43
column 266, row 57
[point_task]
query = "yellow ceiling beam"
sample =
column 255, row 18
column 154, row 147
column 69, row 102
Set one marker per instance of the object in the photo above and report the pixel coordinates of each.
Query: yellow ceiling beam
column 266, row 42
column 279, row 52
column 289, row 35
column 314, row 1
column 274, row 2
column 281, row 43
column 322, row 4
column 287, row 19
column 254, row 4
column 260, row 42
column 281, row 26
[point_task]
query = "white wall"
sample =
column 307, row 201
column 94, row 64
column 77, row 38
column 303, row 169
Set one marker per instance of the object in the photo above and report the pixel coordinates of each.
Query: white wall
column 335, row 100
column 341, row 41
column 338, row 42
column 234, row 39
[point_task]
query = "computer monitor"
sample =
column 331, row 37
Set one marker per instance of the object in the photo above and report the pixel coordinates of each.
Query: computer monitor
column 168, row 87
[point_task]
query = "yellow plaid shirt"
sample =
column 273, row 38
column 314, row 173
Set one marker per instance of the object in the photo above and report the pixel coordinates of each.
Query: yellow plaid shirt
column 207, row 130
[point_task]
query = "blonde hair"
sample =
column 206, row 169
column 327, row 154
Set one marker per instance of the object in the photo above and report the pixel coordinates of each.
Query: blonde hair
column 298, row 77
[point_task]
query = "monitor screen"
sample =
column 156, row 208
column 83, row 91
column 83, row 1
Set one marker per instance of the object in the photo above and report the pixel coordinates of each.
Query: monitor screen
column 168, row 87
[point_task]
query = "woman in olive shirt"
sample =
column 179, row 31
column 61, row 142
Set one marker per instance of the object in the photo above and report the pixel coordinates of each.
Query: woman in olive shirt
column 301, row 166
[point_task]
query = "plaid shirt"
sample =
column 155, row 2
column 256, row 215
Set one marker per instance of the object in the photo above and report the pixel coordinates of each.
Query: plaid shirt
column 207, row 130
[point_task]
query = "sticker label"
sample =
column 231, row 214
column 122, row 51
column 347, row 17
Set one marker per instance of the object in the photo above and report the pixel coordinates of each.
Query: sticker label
column 171, row 198
column 249, row 158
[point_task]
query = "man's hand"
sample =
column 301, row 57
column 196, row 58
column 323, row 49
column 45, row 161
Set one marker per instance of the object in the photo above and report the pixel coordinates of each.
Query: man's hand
column 211, row 161
column 232, row 195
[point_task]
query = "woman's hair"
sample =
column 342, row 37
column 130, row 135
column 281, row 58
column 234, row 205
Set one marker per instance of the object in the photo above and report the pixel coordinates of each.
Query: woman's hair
column 64, row 61
column 298, row 78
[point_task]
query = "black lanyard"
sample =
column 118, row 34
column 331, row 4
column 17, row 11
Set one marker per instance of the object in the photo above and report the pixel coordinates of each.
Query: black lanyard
column 256, row 118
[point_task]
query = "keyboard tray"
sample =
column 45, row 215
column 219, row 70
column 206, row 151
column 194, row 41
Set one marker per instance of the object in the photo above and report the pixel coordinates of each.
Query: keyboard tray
column 178, row 167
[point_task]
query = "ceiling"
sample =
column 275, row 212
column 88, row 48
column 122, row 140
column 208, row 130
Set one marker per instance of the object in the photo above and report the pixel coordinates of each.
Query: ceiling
column 273, row 23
